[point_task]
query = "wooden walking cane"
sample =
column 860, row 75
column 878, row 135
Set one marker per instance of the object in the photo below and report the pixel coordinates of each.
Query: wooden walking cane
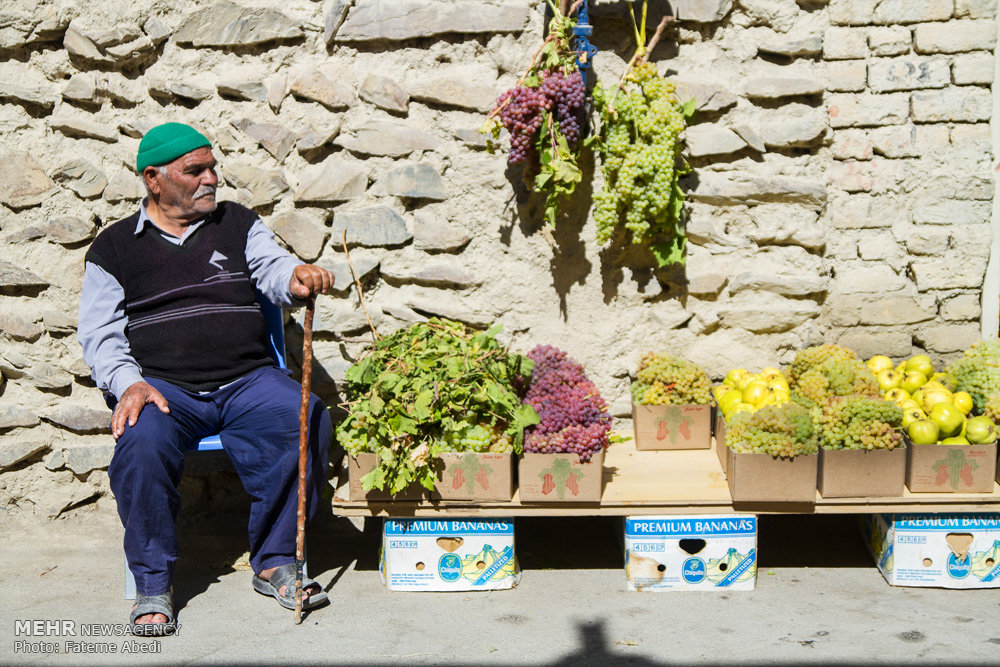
column 300, row 536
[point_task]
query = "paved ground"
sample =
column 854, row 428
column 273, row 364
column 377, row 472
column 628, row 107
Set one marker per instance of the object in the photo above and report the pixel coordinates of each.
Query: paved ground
column 819, row 599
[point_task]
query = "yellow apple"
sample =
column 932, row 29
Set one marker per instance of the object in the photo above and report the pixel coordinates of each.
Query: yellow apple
column 963, row 401
column 754, row 392
column 879, row 362
column 897, row 395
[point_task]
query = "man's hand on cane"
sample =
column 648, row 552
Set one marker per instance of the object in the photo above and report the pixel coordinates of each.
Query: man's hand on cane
column 310, row 280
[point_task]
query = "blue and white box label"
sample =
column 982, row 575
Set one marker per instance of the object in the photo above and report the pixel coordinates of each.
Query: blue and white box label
column 448, row 555
column 691, row 552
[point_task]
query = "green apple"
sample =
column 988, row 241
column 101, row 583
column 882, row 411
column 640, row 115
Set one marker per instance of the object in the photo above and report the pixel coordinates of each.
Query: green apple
column 963, row 401
column 912, row 381
column 910, row 403
column 911, row 415
column 981, row 430
column 922, row 363
column 955, row 440
column 923, row 432
column 719, row 390
column 948, row 418
column 879, row 362
column 888, row 379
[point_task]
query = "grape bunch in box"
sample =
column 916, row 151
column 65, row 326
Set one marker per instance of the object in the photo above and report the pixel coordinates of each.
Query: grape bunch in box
column 771, row 454
column 573, row 416
column 564, row 452
column 671, row 404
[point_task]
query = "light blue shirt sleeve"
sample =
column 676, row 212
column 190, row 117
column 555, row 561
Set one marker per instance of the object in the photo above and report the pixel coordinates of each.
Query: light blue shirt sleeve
column 101, row 332
column 271, row 266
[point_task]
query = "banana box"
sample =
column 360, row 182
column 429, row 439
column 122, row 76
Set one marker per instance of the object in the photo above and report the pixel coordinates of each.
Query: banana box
column 691, row 553
column 936, row 550
column 452, row 555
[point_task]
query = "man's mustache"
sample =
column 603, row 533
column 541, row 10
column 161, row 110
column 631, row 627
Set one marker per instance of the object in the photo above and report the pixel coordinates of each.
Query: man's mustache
column 204, row 191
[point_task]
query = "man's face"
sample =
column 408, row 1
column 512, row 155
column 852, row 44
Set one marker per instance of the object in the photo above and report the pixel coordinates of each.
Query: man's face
column 187, row 190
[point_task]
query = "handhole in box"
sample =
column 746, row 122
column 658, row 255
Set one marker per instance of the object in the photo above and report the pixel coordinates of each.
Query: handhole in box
column 928, row 562
column 692, row 546
column 450, row 544
column 990, row 562
column 661, row 568
column 420, row 566
column 480, row 565
column 959, row 544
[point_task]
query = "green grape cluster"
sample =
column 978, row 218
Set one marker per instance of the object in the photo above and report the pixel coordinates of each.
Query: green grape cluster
column 353, row 437
column 475, row 438
column 810, row 357
column 834, row 377
column 857, row 422
column 992, row 408
column 978, row 372
column 785, row 430
column 666, row 380
column 640, row 151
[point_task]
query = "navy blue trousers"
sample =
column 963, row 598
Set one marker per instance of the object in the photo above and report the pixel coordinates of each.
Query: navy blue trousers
column 257, row 419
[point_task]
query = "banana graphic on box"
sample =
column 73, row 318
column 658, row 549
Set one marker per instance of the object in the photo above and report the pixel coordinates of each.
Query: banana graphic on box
column 489, row 564
column 986, row 564
column 720, row 568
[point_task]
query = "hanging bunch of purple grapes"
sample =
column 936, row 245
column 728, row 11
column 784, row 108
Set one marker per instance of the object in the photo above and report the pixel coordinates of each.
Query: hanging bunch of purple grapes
column 544, row 114
column 573, row 416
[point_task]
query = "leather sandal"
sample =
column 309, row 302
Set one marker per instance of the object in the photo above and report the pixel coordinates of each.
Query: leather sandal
column 284, row 575
column 153, row 604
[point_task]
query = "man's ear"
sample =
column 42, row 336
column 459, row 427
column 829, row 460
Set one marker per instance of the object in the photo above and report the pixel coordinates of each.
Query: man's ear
column 151, row 176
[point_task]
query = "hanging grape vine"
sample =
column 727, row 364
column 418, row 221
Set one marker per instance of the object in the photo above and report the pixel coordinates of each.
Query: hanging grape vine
column 639, row 142
column 544, row 115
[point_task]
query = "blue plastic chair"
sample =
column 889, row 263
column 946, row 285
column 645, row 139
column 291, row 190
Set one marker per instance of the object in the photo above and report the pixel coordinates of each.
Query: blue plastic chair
column 211, row 443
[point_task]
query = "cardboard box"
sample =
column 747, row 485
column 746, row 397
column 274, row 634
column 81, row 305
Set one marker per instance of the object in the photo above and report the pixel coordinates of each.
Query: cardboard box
column 560, row 478
column 692, row 552
column 765, row 478
column 474, row 476
column 720, row 439
column 936, row 550
column 672, row 426
column 362, row 464
column 452, row 555
column 862, row 473
column 951, row 468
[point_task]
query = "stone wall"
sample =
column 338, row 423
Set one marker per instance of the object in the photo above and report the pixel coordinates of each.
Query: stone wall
column 842, row 186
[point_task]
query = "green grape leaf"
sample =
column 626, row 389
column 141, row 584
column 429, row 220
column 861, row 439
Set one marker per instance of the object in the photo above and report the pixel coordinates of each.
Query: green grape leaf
column 689, row 107
column 668, row 254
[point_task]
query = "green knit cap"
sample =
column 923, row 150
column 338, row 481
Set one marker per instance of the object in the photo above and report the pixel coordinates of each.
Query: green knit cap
column 165, row 143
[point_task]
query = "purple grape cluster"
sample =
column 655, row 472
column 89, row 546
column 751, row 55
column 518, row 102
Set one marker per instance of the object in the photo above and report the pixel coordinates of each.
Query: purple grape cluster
column 522, row 110
column 521, row 114
column 568, row 94
column 573, row 415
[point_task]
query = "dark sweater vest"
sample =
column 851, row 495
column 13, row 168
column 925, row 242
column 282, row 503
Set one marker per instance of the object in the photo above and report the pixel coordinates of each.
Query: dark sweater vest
column 193, row 316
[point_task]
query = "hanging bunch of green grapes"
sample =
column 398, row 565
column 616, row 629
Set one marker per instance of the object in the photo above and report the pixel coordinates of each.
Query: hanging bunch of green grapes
column 639, row 142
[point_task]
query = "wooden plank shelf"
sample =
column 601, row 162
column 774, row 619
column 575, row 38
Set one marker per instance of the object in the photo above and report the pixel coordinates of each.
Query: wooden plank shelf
column 666, row 482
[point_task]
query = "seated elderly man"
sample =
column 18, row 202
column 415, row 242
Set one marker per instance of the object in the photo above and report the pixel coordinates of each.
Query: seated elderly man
column 170, row 325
